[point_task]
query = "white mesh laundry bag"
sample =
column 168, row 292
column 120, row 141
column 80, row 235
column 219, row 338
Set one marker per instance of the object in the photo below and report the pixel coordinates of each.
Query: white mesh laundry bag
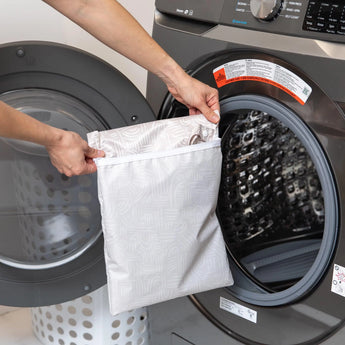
column 158, row 188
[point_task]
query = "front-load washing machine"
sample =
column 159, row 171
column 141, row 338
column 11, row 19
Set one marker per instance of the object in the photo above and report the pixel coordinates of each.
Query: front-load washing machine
column 51, row 246
column 279, row 68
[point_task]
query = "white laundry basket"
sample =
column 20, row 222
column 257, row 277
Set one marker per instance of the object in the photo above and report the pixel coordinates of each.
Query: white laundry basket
column 87, row 321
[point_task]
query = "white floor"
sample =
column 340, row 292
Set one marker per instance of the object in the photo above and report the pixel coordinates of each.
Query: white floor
column 15, row 328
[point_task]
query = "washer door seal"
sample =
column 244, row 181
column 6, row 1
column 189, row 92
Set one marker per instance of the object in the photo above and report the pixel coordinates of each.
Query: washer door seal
column 300, row 254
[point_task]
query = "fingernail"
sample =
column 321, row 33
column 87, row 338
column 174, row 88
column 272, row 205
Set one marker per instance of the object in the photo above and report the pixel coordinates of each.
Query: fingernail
column 100, row 153
column 216, row 116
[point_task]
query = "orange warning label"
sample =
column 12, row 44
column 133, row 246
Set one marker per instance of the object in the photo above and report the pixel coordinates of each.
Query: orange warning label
column 265, row 72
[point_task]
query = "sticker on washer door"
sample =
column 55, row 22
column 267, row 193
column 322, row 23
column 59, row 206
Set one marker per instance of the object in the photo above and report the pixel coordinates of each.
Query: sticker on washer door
column 266, row 72
column 338, row 280
column 238, row 309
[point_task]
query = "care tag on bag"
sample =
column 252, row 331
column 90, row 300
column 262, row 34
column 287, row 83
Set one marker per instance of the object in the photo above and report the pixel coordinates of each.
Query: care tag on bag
column 158, row 189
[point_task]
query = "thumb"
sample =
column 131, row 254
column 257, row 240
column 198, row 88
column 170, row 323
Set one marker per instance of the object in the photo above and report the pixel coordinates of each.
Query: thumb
column 94, row 153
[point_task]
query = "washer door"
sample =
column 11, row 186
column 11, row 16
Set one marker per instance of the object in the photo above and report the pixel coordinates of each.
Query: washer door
column 51, row 245
column 278, row 206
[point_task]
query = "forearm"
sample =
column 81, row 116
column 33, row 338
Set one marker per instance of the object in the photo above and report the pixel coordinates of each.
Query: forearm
column 17, row 125
column 68, row 152
column 108, row 21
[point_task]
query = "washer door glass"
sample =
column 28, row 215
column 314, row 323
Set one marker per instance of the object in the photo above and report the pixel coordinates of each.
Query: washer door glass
column 47, row 218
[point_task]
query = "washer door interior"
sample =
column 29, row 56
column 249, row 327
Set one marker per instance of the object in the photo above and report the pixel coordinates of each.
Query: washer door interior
column 278, row 208
column 51, row 245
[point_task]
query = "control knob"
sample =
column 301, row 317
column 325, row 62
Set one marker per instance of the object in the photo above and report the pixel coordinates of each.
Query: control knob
column 265, row 9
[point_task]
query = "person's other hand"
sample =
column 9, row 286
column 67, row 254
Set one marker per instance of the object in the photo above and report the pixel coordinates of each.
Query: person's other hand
column 71, row 155
column 197, row 96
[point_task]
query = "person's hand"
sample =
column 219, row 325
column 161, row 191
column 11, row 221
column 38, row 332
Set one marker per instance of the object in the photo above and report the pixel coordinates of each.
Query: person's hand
column 71, row 155
column 197, row 96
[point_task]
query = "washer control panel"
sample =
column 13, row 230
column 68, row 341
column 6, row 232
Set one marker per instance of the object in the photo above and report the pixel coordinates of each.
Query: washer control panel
column 317, row 19
column 325, row 16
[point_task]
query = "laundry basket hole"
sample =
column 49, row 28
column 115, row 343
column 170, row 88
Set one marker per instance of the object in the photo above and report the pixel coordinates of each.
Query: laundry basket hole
column 72, row 322
column 87, row 299
column 67, row 240
column 60, row 330
column 50, row 178
column 61, row 342
column 87, row 312
column 87, row 324
column 71, row 309
column 50, row 192
column 130, row 320
column 129, row 343
column 64, row 177
column 84, row 197
column 84, row 181
column 84, row 212
column 73, row 334
column 129, row 333
column 59, row 318
column 143, row 317
column 39, row 206
column 51, row 338
column 116, row 323
column 115, row 336
column 87, row 336
column 50, row 327
column 140, row 341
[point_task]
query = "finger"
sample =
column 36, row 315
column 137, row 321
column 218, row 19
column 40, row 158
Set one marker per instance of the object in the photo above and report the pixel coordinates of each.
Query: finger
column 88, row 168
column 194, row 111
column 210, row 114
column 94, row 153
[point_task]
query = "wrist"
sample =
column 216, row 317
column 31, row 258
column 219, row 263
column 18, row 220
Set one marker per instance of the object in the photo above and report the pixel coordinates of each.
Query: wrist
column 171, row 73
column 52, row 136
